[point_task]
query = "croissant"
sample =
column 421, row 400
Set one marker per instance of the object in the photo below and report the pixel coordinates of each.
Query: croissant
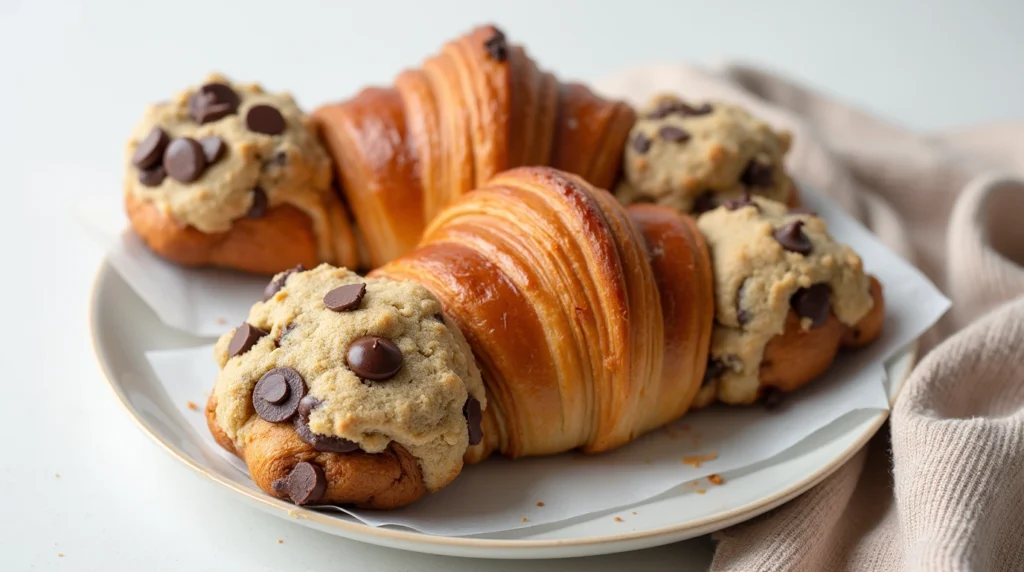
column 229, row 175
column 537, row 315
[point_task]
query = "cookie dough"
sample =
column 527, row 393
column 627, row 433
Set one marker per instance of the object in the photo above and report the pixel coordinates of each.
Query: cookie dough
column 378, row 361
column 694, row 157
column 767, row 261
column 221, row 151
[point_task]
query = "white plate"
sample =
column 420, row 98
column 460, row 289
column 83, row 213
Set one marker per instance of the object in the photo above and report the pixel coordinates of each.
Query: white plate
column 123, row 328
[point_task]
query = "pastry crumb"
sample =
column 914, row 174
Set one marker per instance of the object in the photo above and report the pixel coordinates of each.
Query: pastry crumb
column 618, row 519
column 697, row 460
column 524, row 519
column 634, row 513
column 192, row 405
column 540, row 503
column 280, row 541
column 716, row 479
column 57, row 475
column 221, row 321
column 701, row 491
column 60, row 555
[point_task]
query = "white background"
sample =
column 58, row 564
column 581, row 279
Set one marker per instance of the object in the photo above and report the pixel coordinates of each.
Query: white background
column 74, row 78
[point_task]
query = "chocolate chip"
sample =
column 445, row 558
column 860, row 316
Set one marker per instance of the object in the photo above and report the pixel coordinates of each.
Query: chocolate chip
column 151, row 149
column 245, row 337
column 324, row 443
column 284, row 333
column 213, row 148
column 757, row 174
column 496, row 46
column 153, row 177
column 704, row 202
column 213, row 101
column 670, row 107
column 306, row 483
column 793, row 239
column 345, row 298
column 812, row 303
column 259, row 204
column 439, row 317
column 715, row 369
column 184, row 159
column 265, row 119
column 641, row 143
column 673, row 134
column 471, row 411
column 772, row 398
column 273, row 388
column 282, row 410
column 742, row 316
column 744, row 201
column 307, row 404
column 277, row 283
column 374, row 358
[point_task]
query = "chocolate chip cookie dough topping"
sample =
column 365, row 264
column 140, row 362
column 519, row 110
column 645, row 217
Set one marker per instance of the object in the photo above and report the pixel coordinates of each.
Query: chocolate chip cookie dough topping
column 245, row 337
column 222, row 152
column 767, row 263
column 694, row 157
column 379, row 368
column 279, row 281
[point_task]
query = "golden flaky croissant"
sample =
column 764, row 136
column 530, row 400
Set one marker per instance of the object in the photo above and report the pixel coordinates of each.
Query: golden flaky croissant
column 222, row 174
column 590, row 324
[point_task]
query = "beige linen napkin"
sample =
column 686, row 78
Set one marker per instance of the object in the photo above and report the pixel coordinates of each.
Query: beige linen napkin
column 943, row 487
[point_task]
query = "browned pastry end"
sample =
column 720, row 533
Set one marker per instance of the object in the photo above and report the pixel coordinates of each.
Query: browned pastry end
column 795, row 357
column 385, row 480
column 282, row 238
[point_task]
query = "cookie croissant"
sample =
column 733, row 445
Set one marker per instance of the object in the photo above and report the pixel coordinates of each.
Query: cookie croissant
column 569, row 322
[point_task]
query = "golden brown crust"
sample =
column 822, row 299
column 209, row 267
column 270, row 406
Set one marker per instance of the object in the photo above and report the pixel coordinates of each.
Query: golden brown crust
column 795, row 357
column 281, row 239
column 385, row 480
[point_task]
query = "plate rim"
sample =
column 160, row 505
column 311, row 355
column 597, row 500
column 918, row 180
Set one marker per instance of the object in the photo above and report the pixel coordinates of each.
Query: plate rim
column 359, row 531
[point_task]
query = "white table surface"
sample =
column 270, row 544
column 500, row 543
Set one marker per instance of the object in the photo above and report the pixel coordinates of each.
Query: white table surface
column 83, row 488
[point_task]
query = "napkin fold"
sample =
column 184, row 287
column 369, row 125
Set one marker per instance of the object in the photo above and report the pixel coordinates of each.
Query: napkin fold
column 942, row 487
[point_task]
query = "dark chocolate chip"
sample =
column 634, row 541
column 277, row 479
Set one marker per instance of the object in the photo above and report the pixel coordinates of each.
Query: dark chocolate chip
column 307, row 404
column 673, row 134
column 345, row 298
column 772, row 398
column 793, row 239
column 744, row 201
column 742, row 316
column 284, row 333
column 273, row 388
column 184, row 159
column 704, row 202
column 153, row 177
column 151, row 149
column 275, row 412
column 265, row 119
column 715, row 369
column 374, row 358
column 324, row 443
column 641, row 143
column 259, row 204
column 439, row 317
column 670, row 107
column 306, row 483
column 213, row 148
column 496, row 46
column 812, row 303
column 757, row 174
column 213, row 101
column 279, row 281
column 245, row 337
column 471, row 411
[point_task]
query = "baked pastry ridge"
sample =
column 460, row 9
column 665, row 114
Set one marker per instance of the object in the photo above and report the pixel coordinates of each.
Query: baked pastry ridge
column 227, row 157
column 693, row 157
column 337, row 365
